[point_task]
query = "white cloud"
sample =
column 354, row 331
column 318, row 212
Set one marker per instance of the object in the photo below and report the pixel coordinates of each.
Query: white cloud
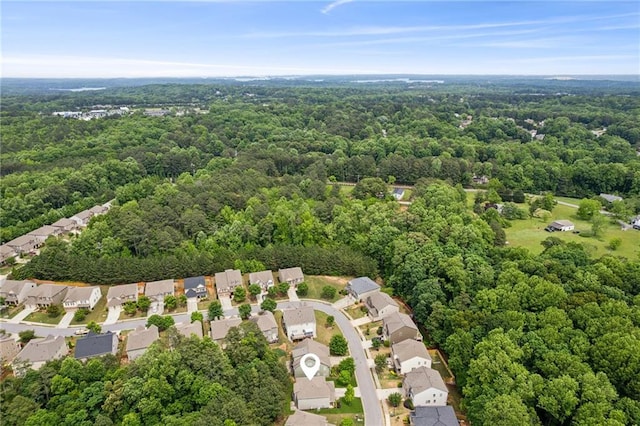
column 333, row 5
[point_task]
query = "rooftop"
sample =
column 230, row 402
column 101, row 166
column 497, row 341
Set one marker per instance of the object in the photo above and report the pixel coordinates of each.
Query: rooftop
column 265, row 321
column 434, row 416
column 142, row 338
column 379, row 300
column 423, row 378
column 397, row 320
column 408, row 349
column 289, row 274
column 317, row 387
column 224, row 280
column 301, row 315
column 310, row 346
column 362, row 285
column 155, row 288
column 94, row 345
column 40, row 350
column 189, row 329
column 220, row 328
column 79, row 294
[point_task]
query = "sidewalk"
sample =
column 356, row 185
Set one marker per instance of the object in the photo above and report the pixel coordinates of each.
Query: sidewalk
column 22, row 315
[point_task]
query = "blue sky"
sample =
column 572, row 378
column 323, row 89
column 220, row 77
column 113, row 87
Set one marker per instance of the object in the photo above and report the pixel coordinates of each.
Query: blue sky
column 235, row 37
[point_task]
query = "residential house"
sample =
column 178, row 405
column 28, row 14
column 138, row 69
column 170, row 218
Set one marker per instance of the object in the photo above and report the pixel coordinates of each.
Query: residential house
column 381, row 305
column 195, row 287
column 267, row 324
column 635, row 222
column 38, row 351
column 227, row 281
column 24, row 244
column 263, row 278
column 118, row 295
column 99, row 209
column 480, row 180
column 561, row 225
column 46, row 295
column 9, row 348
column 82, row 218
column 157, row 290
column 220, row 328
column 293, row 276
column 360, row 288
column 82, row 297
column 93, row 345
column 15, row 292
column 313, row 394
column 397, row 193
column 310, row 346
column 299, row 418
column 65, row 225
column 41, row 234
column 190, row 329
column 425, row 387
column 610, row 198
column 397, row 327
column 139, row 340
column 299, row 323
column 433, row 416
column 7, row 252
column 409, row 355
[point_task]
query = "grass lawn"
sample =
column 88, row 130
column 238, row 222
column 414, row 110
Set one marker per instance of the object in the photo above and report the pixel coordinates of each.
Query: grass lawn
column 407, row 195
column 336, row 415
column 324, row 333
column 99, row 312
column 178, row 310
column 372, row 327
column 356, row 312
column 43, row 317
column 138, row 314
column 12, row 311
column 569, row 200
column 530, row 233
column 203, row 304
column 390, row 380
column 454, row 393
column 281, row 336
column 316, row 282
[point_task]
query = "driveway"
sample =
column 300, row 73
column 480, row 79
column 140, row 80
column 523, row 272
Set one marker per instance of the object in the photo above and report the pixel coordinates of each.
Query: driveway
column 66, row 320
column 361, row 321
column 156, row 308
column 344, row 302
column 22, row 315
column 113, row 315
column 225, row 301
column 293, row 296
column 372, row 409
column 192, row 304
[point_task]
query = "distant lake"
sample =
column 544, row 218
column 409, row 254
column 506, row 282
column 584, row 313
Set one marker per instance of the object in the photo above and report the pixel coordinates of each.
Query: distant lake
column 80, row 89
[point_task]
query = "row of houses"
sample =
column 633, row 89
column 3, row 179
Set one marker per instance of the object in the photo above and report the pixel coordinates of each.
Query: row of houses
column 44, row 295
column 35, row 239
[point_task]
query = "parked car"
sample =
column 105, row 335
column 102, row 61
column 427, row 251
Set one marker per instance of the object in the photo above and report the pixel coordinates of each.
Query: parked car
column 81, row 331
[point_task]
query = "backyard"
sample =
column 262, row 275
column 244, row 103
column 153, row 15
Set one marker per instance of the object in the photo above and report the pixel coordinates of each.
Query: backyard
column 336, row 415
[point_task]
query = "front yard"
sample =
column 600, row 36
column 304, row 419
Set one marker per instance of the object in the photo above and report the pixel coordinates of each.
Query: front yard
column 317, row 282
column 99, row 312
column 44, row 318
column 323, row 332
column 12, row 311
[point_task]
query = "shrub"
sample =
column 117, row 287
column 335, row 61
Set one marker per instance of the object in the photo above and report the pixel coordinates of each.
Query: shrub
column 338, row 345
column 328, row 292
column 302, row 289
column 80, row 315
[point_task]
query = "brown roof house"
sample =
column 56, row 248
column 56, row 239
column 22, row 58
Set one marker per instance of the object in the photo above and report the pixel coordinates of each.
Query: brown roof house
column 425, row 387
column 46, row 295
column 409, row 355
column 82, row 297
column 119, row 294
column 44, row 232
column 398, row 327
column 7, row 252
column 16, row 292
column 227, row 281
column 263, row 278
column 310, row 346
column 220, row 328
column 313, row 394
column 299, row 323
column 82, row 218
column 139, row 340
column 380, row 305
column 157, row 290
column 25, row 244
column 9, row 348
column 190, row 329
column 292, row 276
column 267, row 324
column 65, row 225
column 300, row 418
column 38, row 351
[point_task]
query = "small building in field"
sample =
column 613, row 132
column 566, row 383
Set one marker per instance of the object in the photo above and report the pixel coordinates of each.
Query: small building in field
column 398, row 193
column 562, row 225
column 610, row 197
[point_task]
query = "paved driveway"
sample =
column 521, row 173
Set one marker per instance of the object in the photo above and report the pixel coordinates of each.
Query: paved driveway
column 113, row 315
column 192, row 304
column 361, row 321
column 22, row 315
column 344, row 302
column 293, row 296
column 225, row 301
column 66, row 320
column 156, row 308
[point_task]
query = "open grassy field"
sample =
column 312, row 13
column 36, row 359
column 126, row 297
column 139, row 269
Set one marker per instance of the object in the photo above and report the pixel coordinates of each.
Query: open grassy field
column 530, row 233
column 323, row 332
column 316, row 282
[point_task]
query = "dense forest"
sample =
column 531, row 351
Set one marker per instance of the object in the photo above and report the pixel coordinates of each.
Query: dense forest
column 549, row 339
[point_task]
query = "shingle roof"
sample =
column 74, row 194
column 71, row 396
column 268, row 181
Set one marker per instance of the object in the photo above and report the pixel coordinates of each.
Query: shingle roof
column 300, row 418
column 610, row 197
column 155, row 288
column 310, row 346
column 225, row 279
column 47, row 290
column 44, row 231
column 13, row 286
column 22, row 240
column 41, row 350
column 380, row 300
column 398, row 320
column 63, row 223
column 6, row 249
column 79, row 294
column 194, row 282
column 84, row 215
column 301, row 315
column 560, row 223
column 422, row 378
column 94, row 345
column 124, row 291
column 362, row 285
column 142, row 338
column 434, row 416
column 290, row 274
column 408, row 349
column 265, row 321
column 317, row 387
column 187, row 329
column 260, row 277
column 220, row 328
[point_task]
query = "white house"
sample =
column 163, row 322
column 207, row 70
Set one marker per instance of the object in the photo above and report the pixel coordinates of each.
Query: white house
column 425, row 387
column 82, row 297
column 562, row 225
column 299, row 323
column 409, row 355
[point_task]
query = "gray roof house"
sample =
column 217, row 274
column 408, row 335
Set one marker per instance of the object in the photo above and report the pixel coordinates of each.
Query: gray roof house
column 398, row 327
column 65, row 225
column 195, row 287
column 44, row 232
column 433, row 416
column 398, row 193
column 38, row 351
column 82, row 218
column 267, row 324
column 263, row 278
column 408, row 355
column 293, row 276
column 220, row 328
column 190, row 329
column 93, row 345
column 610, row 197
column 299, row 418
column 227, row 281
column 157, row 290
column 425, row 387
column 7, row 252
column 15, row 292
column 381, row 305
column 299, row 323
column 119, row 294
column 45, row 295
column 360, row 288
column 24, row 244
column 9, row 348
column 562, row 225
column 311, row 346
column 82, row 297
column 99, row 209
column 140, row 339
column 314, row 393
